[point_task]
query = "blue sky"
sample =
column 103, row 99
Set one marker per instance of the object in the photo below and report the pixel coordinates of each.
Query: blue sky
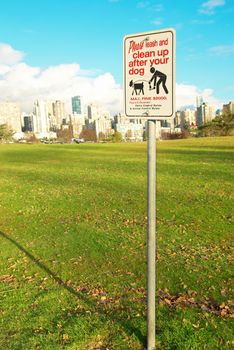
column 49, row 34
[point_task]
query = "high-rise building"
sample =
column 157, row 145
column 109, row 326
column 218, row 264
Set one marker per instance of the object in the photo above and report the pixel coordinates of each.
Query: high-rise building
column 199, row 101
column 76, row 105
column 190, row 116
column 56, row 113
column 10, row 115
column 129, row 129
column 41, row 118
column 185, row 118
column 229, row 107
column 50, row 109
column 178, row 118
column 77, row 121
column 27, row 122
column 59, row 111
column 96, row 111
column 103, row 126
column 205, row 113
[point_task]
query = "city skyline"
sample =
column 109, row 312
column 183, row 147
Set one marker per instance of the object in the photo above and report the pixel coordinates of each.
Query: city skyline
column 55, row 52
column 50, row 120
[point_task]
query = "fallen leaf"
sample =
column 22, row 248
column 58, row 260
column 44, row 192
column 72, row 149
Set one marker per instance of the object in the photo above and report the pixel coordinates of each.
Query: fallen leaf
column 65, row 337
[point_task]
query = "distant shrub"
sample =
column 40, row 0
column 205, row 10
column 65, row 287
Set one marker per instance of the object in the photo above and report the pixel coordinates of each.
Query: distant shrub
column 33, row 139
column 116, row 137
column 6, row 133
column 88, row 134
column 184, row 134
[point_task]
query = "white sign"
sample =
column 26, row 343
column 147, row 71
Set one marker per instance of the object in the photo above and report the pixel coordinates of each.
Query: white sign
column 149, row 74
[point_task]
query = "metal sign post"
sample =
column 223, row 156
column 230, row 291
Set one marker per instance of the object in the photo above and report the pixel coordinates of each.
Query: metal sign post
column 151, row 246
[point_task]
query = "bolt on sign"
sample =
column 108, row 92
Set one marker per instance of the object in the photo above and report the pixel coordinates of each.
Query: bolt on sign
column 149, row 74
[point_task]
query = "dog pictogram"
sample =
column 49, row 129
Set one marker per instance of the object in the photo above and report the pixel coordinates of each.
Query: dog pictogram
column 137, row 87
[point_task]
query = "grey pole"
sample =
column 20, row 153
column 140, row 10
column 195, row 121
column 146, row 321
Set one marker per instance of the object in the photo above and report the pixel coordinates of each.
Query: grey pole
column 151, row 245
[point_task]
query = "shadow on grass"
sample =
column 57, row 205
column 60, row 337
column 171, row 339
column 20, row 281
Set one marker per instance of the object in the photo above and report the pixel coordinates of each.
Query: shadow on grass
column 40, row 264
column 125, row 324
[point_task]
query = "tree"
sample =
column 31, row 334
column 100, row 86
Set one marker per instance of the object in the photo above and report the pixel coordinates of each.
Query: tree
column 65, row 134
column 117, row 137
column 6, row 133
column 88, row 135
column 33, row 139
column 129, row 135
column 144, row 135
column 101, row 136
column 220, row 126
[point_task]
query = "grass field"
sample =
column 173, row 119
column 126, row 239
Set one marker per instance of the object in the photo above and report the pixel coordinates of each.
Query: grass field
column 73, row 245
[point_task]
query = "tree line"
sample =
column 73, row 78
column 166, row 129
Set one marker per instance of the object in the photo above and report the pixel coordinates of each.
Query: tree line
column 220, row 126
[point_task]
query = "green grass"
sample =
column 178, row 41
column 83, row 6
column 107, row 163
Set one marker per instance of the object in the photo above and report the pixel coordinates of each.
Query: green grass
column 73, row 245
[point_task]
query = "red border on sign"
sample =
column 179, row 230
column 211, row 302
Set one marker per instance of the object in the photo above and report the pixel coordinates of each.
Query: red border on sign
column 145, row 115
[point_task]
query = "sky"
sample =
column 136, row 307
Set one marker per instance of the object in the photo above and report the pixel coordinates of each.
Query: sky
column 55, row 49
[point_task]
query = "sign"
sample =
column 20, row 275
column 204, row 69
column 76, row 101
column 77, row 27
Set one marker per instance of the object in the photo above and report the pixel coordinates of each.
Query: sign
column 149, row 74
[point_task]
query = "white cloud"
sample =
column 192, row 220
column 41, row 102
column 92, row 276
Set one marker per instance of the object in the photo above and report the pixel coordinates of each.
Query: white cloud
column 4, row 69
column 8, row 55
column 24, row 83
column 222, row 50
column 209, row 7
column 186, row 95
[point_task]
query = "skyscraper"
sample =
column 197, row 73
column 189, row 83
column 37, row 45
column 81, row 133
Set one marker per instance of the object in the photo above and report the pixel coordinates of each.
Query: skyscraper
column 76, row 105
column 27, row 121
column 199, row 101
column 229, row 107
column 59, row 111
column 205, row 113
column 41, row 118
column 10, row 115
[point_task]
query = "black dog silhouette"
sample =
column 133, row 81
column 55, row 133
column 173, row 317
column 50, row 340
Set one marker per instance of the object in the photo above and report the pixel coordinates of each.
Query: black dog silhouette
column 137, row 87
